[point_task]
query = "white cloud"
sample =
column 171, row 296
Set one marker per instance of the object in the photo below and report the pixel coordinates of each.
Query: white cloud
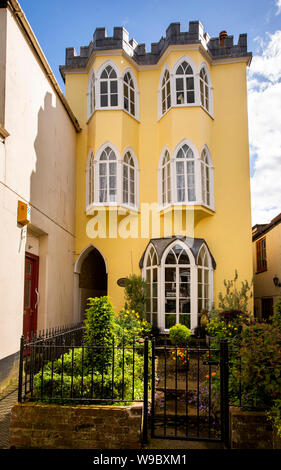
column 264, row 105
column 278, row 4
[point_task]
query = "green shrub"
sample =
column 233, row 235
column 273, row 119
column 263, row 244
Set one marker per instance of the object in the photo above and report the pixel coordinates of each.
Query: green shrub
column 276, row 317
column 179, row 334
column 234, row 298
column 130, row 327
column 99, row 331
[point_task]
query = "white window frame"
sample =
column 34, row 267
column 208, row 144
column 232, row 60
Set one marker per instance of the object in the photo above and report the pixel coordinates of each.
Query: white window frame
column 160, row 87
column 197, row 173
column 193, row 281
column 210, row 167
column 119, row 179
column 210, row 270
column 160, row 179
column 192, row 64
column 136, row 173
column 91, row 95
column 90, row 180
column 210, row 87
column 136, row 91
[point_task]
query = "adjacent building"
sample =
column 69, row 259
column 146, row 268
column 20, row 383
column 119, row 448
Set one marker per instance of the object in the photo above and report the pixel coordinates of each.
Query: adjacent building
column 267, row 266
column 37, row 176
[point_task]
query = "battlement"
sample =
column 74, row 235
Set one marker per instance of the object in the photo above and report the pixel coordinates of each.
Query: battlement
column 218, row 47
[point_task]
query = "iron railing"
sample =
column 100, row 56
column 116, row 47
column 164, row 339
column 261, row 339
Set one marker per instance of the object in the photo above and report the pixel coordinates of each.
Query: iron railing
column 59, row 366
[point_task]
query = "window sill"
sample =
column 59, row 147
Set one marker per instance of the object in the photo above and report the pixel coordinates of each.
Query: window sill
column 187, row 207
column 260, row 272
column 195, row 105
column 121, row 208
column 115, row 108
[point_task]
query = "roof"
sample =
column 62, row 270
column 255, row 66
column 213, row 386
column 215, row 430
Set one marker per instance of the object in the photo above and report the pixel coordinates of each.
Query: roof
column 214, row 48
column 261, row 229
column 160, row 245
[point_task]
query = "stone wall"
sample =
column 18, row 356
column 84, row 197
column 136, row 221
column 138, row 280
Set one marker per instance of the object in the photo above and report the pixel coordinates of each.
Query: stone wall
column 43, row 426
column 249, row 430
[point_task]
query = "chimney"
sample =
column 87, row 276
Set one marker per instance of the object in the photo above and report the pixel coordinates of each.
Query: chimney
column 222, row 37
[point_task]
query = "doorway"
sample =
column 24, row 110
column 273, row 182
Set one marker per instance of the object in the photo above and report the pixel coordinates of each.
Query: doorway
column 31, row 272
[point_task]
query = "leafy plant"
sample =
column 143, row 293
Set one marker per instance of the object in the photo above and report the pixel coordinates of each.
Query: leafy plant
column 234, row 298
column 276, row 317
column 99, row 331
column 135, row 294
column 179, row 334
column 130, row 327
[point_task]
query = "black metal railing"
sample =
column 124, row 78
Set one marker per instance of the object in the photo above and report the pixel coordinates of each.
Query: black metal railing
column 60, row 366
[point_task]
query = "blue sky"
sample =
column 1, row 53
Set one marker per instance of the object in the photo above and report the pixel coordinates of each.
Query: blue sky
column 58, row 24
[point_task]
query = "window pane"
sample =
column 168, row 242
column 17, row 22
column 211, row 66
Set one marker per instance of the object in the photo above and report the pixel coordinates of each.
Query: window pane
column 189, row 84
column 184, row 306
column 185, row 320
column 114, row 100
column 170, row 274
column 170, row 306
column 104, row 101
column 112, row 168
column 170, row 320
column 113, row 86
column 179, row 84
column 27, row 293
column 190, row 97
column 103, row 88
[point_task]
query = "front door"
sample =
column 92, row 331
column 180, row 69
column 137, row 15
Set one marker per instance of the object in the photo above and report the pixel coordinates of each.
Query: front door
column 30, row 294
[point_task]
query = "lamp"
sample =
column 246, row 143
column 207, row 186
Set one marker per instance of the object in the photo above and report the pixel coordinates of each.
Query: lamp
column 276, row 281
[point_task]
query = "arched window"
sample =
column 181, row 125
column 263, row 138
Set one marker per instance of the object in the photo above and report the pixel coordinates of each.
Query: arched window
column 185, row 175
column 204, row 280
column 165, row 92
column 129, row 180
column 92, row 97
column 90, row 179
column 185, row 89
column 151, row 277
column 129, row 94
column 108, row 87
column 177, row 287
column 204, row 89
column 166, row 179
column 107, row 176
column 206, row 178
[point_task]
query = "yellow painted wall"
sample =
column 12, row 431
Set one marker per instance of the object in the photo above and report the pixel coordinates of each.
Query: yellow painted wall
column 228, row 230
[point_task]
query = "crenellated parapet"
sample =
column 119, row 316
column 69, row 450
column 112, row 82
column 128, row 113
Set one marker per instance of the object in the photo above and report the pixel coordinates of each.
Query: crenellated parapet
column 218, row 47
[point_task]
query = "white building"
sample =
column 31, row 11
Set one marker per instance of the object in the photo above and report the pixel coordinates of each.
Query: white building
column 37, row 167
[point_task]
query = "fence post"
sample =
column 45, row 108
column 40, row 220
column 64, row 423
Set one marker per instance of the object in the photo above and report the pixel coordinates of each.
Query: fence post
column 21, row 370
column 145, row 393
column 224, row 374
column 153, row 387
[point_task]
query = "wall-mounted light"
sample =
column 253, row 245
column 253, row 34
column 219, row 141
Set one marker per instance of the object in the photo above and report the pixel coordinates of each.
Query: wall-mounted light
column 276, row 281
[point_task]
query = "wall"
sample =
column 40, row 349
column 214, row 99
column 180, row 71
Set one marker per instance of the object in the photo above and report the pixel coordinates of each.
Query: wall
column 75, row 427
column 37, row 166
column 228, row 230
column 263, row 282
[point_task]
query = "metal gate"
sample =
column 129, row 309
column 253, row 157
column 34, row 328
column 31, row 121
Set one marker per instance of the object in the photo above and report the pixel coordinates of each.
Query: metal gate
column 189, row 392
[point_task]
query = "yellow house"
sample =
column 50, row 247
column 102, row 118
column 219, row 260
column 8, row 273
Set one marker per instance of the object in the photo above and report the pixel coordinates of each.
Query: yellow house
column 162, row 168
column 267, row 268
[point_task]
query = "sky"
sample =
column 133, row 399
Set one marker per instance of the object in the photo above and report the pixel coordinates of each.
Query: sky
column 58, row 24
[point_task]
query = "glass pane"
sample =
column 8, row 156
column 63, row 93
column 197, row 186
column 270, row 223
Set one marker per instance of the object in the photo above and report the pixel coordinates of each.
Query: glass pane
column 27, row 293
column 112, row 168
column 184, row 259
column 185, row 320
column 113, row 86
column 184, row 274
column 170, row 289
column 170, row 274
column 170, row 306
column 112, row 182
column 184, row 290
column 126, row 104
column 184, row 306
column 181, row 195
column 112, row 195
column 179, row 84
column 154, row 289
column 103, row 88
column 102, row 169
column 154, row 270
column 170, row 259
column 154, row 306
column 103, row 101
column 190, row 97
column 154, row 320
column 189, row 84
column 180, row 97
column 170, row 320
column 27, row 268
column 180, row 168
column 114, row 100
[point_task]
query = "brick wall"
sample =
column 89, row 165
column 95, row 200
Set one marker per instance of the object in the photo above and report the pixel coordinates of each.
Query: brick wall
column 43, row 426
column 249, row 430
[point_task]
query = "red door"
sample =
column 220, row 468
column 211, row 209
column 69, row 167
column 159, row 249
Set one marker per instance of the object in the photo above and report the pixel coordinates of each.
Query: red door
column 30, row 294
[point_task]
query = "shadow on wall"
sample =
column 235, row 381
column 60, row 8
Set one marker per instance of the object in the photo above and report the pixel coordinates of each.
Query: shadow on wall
column 52, row 197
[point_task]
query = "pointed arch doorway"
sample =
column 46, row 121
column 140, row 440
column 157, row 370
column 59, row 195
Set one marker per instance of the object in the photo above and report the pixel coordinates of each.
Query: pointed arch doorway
column 90, row 279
